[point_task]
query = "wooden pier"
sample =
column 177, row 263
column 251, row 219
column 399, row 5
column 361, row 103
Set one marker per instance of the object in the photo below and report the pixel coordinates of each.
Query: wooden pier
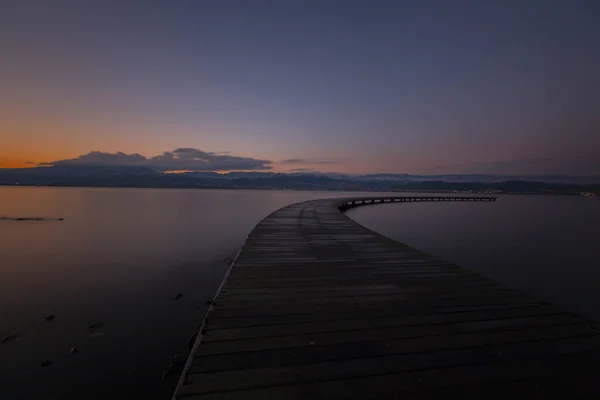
column 316, row 306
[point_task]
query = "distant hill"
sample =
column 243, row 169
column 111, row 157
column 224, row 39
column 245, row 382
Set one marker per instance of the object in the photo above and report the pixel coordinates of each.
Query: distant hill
column 115, row 176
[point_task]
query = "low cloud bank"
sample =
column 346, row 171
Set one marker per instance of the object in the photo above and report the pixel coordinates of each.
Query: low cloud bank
column 178, row 159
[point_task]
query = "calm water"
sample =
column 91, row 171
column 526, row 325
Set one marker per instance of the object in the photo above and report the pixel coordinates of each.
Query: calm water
column 120, row 256
column 547, row 246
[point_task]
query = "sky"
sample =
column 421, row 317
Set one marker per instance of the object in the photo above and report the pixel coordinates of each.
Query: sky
column 351, row 86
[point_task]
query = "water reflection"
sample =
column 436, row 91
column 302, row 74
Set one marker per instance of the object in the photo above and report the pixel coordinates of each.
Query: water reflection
column 119, row 256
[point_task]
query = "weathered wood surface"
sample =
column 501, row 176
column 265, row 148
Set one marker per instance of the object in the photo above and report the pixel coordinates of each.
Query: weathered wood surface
column 317, row 306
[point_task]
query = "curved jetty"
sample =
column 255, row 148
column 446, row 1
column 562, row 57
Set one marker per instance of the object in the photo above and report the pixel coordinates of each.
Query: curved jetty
column 316, row 306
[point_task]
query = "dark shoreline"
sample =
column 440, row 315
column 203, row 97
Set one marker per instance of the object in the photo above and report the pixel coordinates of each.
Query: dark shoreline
column 593, row 190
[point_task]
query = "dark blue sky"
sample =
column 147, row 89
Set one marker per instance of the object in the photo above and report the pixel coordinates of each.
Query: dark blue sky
column 367, row 86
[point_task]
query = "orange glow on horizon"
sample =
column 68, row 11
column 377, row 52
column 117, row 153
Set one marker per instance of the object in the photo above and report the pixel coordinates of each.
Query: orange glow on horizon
column 7, row 161
column 14, row 164
column 29, row 160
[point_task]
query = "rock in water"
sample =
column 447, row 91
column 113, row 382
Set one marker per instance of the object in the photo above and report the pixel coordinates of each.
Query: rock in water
column 46, row 363
column 169, row 371
column 95, row 326
column 178, row 296
column 73, row 350
column 49, row 318
column 10, row 337
column 173, row 369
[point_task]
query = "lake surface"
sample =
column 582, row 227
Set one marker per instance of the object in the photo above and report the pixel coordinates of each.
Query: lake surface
column 118, row 259
column 120, row 256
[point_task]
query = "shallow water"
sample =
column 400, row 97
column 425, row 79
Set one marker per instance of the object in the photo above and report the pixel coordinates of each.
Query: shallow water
column 119, row 257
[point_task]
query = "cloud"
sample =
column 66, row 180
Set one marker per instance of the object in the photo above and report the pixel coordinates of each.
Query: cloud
column 300, row 161
column 294, row 161
column 301, row 170
column 99, row 158
column 178, row 159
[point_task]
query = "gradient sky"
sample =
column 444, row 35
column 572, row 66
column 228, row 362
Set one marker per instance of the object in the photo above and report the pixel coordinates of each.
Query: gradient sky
column 507, row 86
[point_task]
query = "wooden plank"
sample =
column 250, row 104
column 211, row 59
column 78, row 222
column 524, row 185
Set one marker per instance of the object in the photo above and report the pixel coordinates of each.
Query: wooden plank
column 380, row 318
column 421, row 297
column 299, row 328
column 212, row 345
column 385, row 318
column 422, row 380
column 372, row 366
column 398, row 307
column 317, row 353
column 282, row 295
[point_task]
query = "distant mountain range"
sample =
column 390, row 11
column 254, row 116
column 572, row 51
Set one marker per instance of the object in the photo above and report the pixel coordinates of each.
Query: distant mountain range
column 409, row 178
column 116, row 176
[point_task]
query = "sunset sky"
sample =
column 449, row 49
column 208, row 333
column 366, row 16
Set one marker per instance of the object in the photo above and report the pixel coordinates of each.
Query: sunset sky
column 419, row 86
